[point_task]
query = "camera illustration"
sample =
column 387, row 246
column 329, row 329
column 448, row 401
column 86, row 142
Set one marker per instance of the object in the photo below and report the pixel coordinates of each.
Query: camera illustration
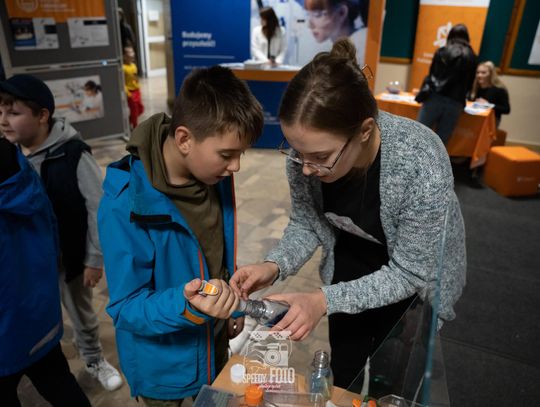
column 273, row 354
column 269, row 348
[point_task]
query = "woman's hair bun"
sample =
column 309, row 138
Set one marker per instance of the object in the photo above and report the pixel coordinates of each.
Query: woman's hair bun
column 344, row 48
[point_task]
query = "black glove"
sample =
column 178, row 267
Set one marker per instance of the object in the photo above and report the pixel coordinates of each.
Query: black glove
column 9, row 165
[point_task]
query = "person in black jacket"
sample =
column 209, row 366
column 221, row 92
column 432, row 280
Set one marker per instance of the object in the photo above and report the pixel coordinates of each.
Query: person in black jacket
column 488, row 88
column 450, row 78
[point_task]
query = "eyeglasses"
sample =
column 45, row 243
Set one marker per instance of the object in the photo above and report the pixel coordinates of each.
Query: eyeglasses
column 369, row 75
column 322, row 170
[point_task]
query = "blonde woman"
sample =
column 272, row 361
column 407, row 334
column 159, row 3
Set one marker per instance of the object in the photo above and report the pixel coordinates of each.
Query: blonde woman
column 488, row 88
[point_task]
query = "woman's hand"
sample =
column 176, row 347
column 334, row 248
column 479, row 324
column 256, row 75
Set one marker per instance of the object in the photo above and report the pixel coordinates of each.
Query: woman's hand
column 482, row 101
column 305, row 312
column 235, row 326
column 219, row 306
column 253, row 277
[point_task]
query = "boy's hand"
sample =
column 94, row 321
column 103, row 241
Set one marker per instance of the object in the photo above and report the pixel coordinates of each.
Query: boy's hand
column 253, row 277
column 92, row 276
column 219, row 306
column 235, row 326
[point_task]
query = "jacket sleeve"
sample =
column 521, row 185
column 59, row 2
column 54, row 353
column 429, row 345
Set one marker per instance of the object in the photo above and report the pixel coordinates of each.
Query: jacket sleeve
column 502, row 104
column 256, row 51
column 299, row 240
column 89, row 181
column 283, row 46
column 413, row 263
column 135, row 305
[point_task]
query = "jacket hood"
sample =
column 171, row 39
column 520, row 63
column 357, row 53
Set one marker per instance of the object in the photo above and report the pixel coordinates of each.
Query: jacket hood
column 147, row 139
column 60, row 133
column 22, row 194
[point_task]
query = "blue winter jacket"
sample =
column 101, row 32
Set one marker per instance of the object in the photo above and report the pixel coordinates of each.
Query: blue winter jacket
column 30, row 316
column 166, row 348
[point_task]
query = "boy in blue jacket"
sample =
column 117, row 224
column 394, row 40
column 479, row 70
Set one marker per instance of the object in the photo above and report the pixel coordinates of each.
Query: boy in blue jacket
column 167, row 220
column 30, row 316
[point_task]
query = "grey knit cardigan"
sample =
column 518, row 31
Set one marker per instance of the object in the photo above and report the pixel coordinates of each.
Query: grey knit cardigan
column 417, row 193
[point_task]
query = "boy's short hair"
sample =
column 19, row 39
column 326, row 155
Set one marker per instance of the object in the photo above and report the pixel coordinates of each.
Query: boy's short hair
column 213, row 100
column 31, row 91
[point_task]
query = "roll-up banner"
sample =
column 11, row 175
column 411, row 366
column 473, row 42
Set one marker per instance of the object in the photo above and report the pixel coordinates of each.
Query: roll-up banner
column 208, row 32
column 435, row 19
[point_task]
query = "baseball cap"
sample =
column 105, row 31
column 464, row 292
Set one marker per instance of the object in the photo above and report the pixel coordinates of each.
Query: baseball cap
column 28, row 87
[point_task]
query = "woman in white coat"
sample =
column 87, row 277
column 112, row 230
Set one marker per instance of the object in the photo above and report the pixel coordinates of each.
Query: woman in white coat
column 268, row 40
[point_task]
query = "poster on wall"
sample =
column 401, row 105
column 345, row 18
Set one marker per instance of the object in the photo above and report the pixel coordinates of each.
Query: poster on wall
column 34, row 33
column 435, row 20
column 534, row 57
column 34, row 23
column 77, row 99
column 312, row 26
column 88, row 32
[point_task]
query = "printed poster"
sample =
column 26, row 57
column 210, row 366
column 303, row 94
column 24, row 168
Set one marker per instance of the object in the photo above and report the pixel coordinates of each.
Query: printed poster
column 34, row 23
column 77, row 99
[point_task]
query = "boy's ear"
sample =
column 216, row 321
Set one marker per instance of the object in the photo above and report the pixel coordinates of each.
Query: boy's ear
column 367, row 129
column 183, row 139
column 43, row 116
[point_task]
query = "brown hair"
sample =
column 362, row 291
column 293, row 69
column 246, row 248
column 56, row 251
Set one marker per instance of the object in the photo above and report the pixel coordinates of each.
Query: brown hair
column 330, row 93
column 213, row 100
column 7, row 99
column 272, row 22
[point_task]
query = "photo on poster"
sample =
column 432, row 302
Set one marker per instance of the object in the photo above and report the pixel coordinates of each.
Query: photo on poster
column 312, row 26
column 34, row 33
column 88, row 32
column 77, row 99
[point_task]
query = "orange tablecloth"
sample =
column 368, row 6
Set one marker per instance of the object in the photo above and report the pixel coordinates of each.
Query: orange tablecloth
column 471, row 138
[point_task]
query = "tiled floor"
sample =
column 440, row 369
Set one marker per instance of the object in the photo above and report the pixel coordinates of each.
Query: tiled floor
column 262, row 216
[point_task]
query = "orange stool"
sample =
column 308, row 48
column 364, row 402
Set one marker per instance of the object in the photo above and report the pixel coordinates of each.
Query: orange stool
column 513, row 171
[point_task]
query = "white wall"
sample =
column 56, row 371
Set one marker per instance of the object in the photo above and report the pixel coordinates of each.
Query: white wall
column 523, row 122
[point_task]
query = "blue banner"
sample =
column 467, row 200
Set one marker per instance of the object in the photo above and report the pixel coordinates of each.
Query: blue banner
column 208, row 32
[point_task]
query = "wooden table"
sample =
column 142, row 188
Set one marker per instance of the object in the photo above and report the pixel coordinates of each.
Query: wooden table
column 471, row 138
column 340, row 397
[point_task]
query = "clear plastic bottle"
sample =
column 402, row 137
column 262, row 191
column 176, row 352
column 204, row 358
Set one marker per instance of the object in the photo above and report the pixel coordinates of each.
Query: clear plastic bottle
column 265, row 312
column 321, row 378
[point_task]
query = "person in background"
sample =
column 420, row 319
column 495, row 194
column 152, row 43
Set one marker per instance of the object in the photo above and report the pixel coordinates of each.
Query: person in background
column 91, row 105
column 376, row 192
column 132, row 87
column 333, row 19
column 488, row 88
column 126, row 33
column 31, row 318
column 268, row 40
column 72, row 181
column 450, row 79
column 167, row 219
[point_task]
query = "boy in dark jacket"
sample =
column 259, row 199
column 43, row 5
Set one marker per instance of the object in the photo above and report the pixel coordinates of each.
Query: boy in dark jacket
column 72, row 181
column 167, row 220
column 31, row 320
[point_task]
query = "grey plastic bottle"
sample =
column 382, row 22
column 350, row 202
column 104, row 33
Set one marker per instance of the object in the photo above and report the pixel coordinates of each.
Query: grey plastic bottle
column 265, row 312
column 321, row 379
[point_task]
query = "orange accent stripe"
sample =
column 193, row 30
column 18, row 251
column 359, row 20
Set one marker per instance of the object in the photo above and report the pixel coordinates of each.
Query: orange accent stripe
column 192, row 317
column 235, row 224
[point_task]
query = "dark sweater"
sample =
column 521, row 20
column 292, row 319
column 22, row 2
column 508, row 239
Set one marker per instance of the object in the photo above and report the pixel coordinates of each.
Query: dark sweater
column 497, row 96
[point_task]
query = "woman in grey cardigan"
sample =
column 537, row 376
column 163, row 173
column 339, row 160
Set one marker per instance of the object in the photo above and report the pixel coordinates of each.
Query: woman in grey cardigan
column 375, row 191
